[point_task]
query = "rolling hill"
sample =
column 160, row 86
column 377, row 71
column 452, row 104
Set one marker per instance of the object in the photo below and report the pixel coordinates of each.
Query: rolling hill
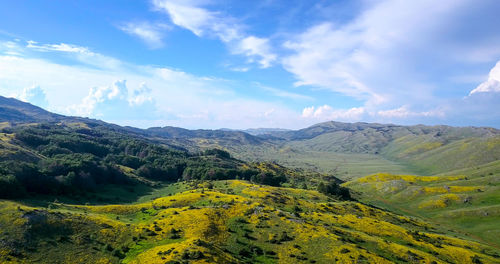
column 226, row 222
column 338, row 148
column 81, row 190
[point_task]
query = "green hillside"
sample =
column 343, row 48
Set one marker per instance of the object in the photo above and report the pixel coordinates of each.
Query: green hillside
column 76, row 190
column 467, row 199
column 226, row 222
column 351, row 150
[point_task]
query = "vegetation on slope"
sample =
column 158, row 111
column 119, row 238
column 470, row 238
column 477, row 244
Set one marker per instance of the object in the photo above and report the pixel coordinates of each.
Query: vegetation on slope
column 467, row 200
column 71, row 158
column 226, row 222
column 76, row 161
column 343, row 148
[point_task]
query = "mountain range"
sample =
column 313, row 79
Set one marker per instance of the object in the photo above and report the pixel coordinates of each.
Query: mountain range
column 423, row 194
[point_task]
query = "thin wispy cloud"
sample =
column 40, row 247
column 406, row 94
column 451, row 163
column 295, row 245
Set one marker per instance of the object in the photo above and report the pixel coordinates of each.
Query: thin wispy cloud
column 284, row 94
column 202, row 22
column 79, row 53
column 151, row 34
column 326, row 112
column 137, row 94
column 204, row 63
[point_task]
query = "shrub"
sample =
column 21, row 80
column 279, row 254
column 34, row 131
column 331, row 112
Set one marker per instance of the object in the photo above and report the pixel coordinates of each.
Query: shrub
column 333, row 188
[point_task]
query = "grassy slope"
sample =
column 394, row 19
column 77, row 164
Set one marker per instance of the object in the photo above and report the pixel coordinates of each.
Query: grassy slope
column 10, row 150
column 236, row 222
column 469, row 201
column 431, row 155
column 345, row 166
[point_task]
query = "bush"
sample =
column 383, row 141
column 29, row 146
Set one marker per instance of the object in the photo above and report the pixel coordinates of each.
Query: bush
column 10, row 187
column 333, row 188
column 269, row 178
column 218, row 153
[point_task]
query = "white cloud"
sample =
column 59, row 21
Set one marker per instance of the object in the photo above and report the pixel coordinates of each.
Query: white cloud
column 10, row 48
column 239, row 69
column 202, row 22
column 390, row 53
column 283, row 93
column 115, row 101
column 143, row 95
column 404, row 112
column 308, row 111
column 151, row 34
column 184, row 15
column 397, row 112
column 326, row 113
column 101, row 95
column 253, row 46
column 63, row 47
column 35, row 95
column 79, row 53
column 493, row 82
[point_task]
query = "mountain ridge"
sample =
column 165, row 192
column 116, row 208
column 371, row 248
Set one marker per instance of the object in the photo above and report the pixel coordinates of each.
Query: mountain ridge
column 125, row 177
column 420, row 148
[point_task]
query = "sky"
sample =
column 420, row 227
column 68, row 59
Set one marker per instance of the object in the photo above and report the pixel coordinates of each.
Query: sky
column 249, row 64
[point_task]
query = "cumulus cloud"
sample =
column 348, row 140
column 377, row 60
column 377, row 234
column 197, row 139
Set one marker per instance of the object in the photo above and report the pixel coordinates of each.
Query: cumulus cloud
column 202, row 22
column 150, row 96
column 34, row 95
column 151, row 34
column 115, row 102
column 115, row 95
column 492, row 84
column 141, row 95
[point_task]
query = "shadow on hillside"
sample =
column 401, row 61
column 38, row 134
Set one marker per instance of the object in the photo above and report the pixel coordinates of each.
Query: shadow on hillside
column 106, row 194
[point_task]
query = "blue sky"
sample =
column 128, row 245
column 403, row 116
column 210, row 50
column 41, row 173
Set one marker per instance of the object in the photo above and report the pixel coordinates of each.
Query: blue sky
column 241, row 64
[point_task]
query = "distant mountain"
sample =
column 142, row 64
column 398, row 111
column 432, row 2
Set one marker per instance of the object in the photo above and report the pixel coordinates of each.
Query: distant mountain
column 324, row 147
column 428, row 149
column 13, row 110
column 388, row 131
column 50, row 154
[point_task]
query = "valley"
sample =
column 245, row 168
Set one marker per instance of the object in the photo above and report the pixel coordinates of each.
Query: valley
column 81, row 190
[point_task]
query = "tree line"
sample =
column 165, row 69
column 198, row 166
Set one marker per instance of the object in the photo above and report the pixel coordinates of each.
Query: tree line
column 65, row 160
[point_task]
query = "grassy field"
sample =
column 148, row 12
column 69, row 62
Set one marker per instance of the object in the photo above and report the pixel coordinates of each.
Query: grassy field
column 354, row 154
column 345, row 166
column 225, row 222
column 467, row 200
